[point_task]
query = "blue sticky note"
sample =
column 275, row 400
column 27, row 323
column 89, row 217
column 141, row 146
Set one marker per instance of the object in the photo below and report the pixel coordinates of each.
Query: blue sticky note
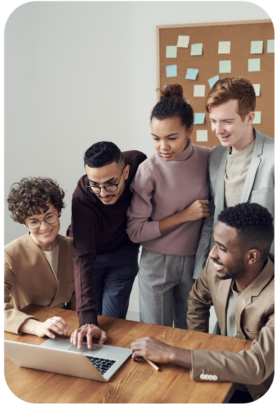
column 213, row 80
column 199, row 118
column 171, row 71
column 191, row 74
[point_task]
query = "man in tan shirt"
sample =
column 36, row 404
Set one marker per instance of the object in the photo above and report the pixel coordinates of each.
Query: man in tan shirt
column 238, row 280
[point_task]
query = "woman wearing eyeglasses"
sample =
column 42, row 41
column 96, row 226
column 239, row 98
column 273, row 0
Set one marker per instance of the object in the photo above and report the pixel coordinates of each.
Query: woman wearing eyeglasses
column 38, row 266
column 170, row 200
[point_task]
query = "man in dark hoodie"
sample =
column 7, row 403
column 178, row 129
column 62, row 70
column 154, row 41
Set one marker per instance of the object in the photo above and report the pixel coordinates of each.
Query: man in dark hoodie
column 105, row 261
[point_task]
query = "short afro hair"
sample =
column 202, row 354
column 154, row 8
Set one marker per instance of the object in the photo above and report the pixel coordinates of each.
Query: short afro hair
column 254, row 225
column 30, row 194
column 103, row 153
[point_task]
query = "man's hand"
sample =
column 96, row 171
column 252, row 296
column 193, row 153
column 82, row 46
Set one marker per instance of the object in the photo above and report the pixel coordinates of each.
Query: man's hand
column 90, row 331
column 153, row 349
column 55, row 324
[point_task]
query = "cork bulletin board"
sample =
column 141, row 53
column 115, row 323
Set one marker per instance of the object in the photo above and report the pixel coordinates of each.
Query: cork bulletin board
column 239, row 34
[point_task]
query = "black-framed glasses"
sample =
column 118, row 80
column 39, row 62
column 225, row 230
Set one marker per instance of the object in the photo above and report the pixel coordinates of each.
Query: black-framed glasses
column 110, row 188
column 35, row 223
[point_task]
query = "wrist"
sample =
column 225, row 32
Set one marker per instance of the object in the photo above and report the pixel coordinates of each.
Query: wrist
column 182, row 357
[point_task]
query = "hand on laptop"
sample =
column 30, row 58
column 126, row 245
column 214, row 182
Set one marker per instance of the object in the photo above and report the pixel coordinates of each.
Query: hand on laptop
column 90, row 331
column 55, row 324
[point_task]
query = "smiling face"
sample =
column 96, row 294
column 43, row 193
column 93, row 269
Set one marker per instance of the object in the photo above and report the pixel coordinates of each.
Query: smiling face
column 227, row 254
column 228, row 126
column 170, row 137
column 45, row 235
column 108, row 174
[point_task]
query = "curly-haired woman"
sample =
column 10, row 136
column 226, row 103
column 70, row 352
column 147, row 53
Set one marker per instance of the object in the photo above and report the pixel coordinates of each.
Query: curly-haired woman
column 38, row 266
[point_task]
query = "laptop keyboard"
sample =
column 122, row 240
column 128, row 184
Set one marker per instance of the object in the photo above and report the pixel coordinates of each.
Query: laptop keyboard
column 102, row 365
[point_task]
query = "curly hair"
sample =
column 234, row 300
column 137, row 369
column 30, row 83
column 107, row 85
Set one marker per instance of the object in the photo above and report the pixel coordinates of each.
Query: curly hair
column 235, row 88
column 30, row 194
column 254, row 225
column 172, row 104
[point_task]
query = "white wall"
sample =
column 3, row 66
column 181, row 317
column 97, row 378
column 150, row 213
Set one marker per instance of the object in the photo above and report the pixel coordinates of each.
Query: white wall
column 80, row 72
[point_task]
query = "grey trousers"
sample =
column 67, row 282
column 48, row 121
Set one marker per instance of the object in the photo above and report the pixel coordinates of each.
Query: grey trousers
column 164, row 285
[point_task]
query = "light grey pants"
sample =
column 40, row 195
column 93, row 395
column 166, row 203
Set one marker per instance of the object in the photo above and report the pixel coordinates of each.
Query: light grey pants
column 164, row 285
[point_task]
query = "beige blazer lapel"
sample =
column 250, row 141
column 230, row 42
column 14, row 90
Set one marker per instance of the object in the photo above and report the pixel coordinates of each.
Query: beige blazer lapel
column 61, row 269
column 253, row 290
column 221, row 303
column 253, row 167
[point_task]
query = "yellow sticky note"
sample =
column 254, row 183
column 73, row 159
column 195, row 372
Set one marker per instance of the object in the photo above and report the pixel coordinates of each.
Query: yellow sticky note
column 257, row 88
column 183, row 41
column 202, row 135
column 199, row 90
column 224, row 47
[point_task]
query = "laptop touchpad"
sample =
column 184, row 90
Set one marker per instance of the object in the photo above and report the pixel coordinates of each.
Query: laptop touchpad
column 57, row 343
column 95, row 349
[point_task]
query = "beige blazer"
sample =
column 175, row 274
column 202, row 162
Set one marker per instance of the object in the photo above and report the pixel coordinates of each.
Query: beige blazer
column 28, row 279
column 254, row 315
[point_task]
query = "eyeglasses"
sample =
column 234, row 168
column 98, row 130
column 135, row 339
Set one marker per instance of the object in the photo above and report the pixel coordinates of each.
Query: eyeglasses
column 35, row 223
column 110, row 188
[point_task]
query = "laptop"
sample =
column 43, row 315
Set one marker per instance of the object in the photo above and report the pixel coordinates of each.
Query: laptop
column 59, row 356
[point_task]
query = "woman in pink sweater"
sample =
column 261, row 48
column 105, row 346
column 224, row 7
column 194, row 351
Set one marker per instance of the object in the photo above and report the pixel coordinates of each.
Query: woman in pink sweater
column 170, row 200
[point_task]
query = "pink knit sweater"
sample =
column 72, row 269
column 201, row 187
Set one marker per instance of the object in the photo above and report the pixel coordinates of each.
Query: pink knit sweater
column 161, row 189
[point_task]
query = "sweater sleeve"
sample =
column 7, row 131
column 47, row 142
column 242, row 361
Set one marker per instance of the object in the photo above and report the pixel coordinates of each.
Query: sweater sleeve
column 83, row 227
column 140, row 227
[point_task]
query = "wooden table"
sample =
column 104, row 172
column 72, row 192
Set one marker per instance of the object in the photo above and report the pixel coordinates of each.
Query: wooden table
column 134, row 382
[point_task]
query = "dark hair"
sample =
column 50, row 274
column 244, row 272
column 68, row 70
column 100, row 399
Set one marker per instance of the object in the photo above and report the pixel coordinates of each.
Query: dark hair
column 235, row 88
column 30, row 194
column 254, row 225
column 172, row 104
column 103, row 153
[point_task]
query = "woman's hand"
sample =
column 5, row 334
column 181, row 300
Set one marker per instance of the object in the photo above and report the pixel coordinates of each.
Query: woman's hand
column 197, row 210
column 56, row 324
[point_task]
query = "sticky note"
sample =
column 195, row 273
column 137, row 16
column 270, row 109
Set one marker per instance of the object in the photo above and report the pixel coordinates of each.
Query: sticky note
column 258, row 118
column 257, row 88
column 202, row 135
column 171, row 70
column 199, row 118
column 224, row 47
column 191, row 74
column 199, row 90
column 213, row 80
column 225, row 66
column 257, row 46
column 171, row 51
column 183, row 41
column 270, row 46
column 196, row 49
column 254, row 65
